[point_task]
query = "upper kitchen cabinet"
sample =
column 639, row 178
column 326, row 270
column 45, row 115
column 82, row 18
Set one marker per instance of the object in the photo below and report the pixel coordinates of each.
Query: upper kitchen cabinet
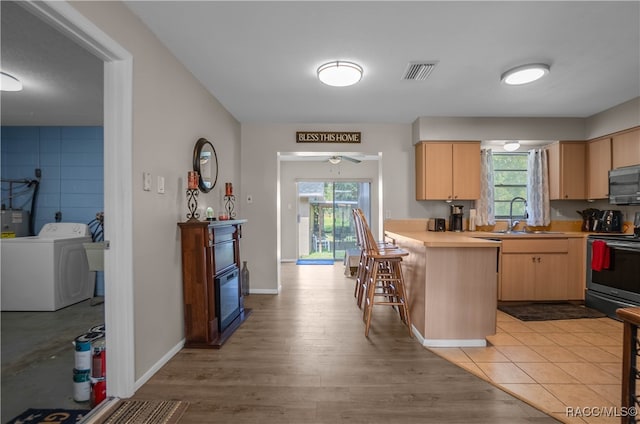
column 598, row 167
column 567, row 171
column 447, row 170
column 626, row 148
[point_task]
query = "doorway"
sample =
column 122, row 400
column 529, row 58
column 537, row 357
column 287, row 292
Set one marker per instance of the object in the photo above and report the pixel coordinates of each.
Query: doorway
column 325, row 226
column 118, row 198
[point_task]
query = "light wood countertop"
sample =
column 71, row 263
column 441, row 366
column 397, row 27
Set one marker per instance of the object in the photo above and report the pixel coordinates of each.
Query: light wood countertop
column 474, row 238
column 416, row 230
column 520, row 235
column 443, row 239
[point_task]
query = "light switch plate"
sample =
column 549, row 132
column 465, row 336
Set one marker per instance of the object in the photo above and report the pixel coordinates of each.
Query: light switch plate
column 146, row 181
column 160, row 184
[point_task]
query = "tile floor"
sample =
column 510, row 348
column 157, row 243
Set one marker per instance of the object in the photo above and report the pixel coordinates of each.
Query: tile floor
column 553, row 365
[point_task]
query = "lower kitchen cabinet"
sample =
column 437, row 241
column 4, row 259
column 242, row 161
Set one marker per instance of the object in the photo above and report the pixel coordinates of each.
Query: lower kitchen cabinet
column 534, row 276
column 539, row 270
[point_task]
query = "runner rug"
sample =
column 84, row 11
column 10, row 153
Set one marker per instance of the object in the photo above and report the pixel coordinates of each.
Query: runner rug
column 549, row 311
column 62, row 416
column 145, row 412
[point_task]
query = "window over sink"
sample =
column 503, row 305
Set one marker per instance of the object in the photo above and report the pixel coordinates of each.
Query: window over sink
column 510, row 180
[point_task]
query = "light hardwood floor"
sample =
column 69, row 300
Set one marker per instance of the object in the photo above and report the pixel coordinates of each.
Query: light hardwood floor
column 302, row 357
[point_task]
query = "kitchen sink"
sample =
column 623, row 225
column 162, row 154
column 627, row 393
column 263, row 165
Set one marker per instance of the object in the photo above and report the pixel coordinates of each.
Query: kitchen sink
column 520, row 232
column 508, row 232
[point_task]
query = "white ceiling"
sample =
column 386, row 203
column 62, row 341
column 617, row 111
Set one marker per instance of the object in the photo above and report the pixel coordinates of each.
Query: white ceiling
column 62, row 82
column 259, row 59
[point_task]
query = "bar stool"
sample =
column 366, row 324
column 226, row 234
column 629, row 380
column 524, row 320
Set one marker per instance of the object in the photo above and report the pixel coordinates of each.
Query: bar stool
column 362, row 263
column 383, row 277
column 362, row 272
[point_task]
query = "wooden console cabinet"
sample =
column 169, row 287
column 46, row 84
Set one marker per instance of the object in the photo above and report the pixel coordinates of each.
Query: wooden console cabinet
column 209, row 250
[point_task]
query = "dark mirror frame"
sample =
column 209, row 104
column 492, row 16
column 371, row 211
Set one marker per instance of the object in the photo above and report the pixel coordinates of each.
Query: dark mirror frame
column 200, row 145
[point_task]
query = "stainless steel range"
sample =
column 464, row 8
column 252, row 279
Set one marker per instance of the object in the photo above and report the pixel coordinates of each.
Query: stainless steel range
column 615, row 281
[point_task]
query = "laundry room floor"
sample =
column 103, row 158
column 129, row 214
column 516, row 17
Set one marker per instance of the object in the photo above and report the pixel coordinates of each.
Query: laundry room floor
column 38, row 357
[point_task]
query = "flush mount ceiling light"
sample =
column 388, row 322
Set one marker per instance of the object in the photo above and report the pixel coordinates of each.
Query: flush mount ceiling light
column 511, row 146
column 335, row 160
column 340, row 73
column 525, row 74
column 9, row 82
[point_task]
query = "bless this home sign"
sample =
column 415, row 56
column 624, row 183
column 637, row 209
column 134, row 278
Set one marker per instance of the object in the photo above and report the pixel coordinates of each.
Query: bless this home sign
column 327, row 137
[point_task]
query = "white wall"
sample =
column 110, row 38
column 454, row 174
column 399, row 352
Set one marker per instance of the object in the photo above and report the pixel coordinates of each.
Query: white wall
column 463, row 128
column 171, row 110
column 617, row 118
column 620, row 117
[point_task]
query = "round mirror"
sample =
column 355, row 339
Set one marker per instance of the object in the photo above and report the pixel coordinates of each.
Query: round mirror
column 205, row 163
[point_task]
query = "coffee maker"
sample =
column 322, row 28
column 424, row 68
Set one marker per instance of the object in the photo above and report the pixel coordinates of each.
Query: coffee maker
column 455, row 219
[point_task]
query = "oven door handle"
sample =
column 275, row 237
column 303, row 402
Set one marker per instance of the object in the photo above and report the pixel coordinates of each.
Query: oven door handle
column 625, row 247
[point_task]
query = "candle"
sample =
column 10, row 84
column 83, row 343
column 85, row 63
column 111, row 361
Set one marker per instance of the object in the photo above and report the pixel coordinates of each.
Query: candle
column 228, row 189
column 192, row 180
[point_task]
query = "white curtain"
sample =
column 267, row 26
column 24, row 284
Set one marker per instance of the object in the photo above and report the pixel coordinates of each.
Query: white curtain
column 538, row 188
column 485, row 214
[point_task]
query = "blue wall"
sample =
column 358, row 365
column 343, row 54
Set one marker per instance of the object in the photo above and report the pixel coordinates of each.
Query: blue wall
column 71, row 160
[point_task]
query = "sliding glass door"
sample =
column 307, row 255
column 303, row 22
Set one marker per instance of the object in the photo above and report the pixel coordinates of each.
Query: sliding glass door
column 325, row 221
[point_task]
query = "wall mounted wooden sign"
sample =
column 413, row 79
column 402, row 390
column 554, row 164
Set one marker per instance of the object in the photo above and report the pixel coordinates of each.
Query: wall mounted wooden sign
column 327, row 137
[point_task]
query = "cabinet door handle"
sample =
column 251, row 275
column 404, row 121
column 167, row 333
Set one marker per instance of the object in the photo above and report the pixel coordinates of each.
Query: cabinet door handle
column 538, row 259
column 533, row 259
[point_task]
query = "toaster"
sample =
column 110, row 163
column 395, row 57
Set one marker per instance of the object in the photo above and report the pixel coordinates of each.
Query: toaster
column 436, row 224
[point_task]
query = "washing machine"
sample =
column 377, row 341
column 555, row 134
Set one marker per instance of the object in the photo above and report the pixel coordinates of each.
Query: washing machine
column 46, row 272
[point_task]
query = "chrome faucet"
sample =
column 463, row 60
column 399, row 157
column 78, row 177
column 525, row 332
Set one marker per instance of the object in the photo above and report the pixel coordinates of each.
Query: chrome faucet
column 513, row 224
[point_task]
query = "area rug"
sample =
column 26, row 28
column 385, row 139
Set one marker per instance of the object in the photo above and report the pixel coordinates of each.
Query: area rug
column 315, row 262
column 62, row 416
column 145, row 412
column 549, row 311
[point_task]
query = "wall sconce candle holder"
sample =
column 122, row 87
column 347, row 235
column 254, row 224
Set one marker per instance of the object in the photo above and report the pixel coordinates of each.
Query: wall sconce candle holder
column 192, row 204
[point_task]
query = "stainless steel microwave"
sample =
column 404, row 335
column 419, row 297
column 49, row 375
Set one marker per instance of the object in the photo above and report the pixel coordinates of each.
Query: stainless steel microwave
column 624, row 185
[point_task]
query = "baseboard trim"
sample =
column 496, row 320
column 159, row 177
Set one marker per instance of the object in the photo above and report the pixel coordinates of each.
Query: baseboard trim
column 263, row 291
column 454, row 343
column 156, row 367
column 447, row 342
column 417, row 334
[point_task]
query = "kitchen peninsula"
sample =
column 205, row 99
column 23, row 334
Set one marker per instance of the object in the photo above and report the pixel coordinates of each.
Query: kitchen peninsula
column 452, row 284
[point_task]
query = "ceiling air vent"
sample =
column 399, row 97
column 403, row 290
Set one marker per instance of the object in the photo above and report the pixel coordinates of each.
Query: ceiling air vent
column 418, row 71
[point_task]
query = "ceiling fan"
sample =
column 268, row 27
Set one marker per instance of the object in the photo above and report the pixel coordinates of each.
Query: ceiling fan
column 336, row 159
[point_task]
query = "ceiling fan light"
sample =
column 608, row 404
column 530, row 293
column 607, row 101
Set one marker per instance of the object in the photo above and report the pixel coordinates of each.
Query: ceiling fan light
column 9, row 82
column 340, row 73
column 525, row 74
column 511, row 146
